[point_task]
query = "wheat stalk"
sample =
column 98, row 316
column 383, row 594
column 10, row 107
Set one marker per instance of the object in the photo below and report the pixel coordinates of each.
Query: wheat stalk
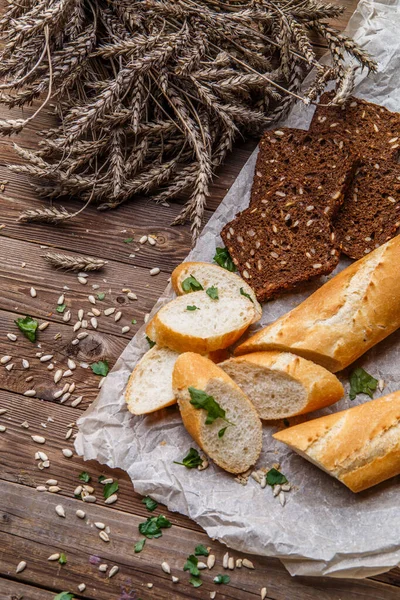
column 74, row 263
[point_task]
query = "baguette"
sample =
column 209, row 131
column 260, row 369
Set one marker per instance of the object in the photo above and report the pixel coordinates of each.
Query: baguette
column 359, row 446
column 208, row 275
column 240, row 445
column 281, row 385
column 345, row 317
column 150, row 383
column 212, row 325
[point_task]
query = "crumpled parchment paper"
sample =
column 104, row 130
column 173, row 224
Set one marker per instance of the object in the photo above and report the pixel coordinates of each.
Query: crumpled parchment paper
column 324, row 529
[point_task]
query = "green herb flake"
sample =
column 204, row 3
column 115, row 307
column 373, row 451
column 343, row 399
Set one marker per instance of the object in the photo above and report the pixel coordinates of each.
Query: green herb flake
column 246, row 295
column 61, row 308
column 149, row 503
column 191, row 460
column 140, row 545
column 222, row 579
column 100, row 368
column 133, row 321
column 195, row 582
column 221, row 432
column 192, row 308
column 153, row 526
column 101, row 296
column 275, row 477
column 362, row 383
column 150, row 342
column 212, row 292
column 101, row 478
column 201, row 550
column 28, row 326
column 224, row 260
column 85, row 477
column 190, row 284
column 191, row 565
column 200, row 399
column 64, row 596
column 63, row 559
column 109, row 489
column 128, row 240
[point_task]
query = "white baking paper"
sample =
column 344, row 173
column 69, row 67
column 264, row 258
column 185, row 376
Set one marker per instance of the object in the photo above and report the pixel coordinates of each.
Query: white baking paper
column 324, row 529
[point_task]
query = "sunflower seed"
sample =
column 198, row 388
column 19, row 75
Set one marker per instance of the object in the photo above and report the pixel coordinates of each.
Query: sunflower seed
column 50, row 367
column 282, row 498
column 132, row 296
column 88, row 489
column 175, row 579
column 41, row 488
column 84, row 324
column 101, row 382
column 202, row 565
column 231, row 563
column 46, row 357
column 82, row 335
column 54, row 489
column 65, row 388
column 57, row 375
column 67, row 316
column 21, row 566
column 143, row 239
column 68, row 434
column 104, row 536
column 46, row 464
column 12, row 337
column 80, row 514
column 239, row 563
column 111, row 499
column 60, row 511
column 99, row 525
column 247, row 563
column 90, row 498
column 210, row 561
column 277, row 489
column 65, row 397
column 55, row 556
column 125, row 329
column 38, row 439
column 43, row 325
column 154, row 271
column 51, row 482
column 93, row 322
column 10, row 366
column 67, row 452
column 263, row 593
column 82, row 280
column 78, row 490
column 103, row 568
column 67, row 373
column 33, row 292
column 3, row 411
column 42, row 456
column 286, row 487
column 113, row 571
column 25, row 363
column 72, row 387
column 74, row 342
column 5, row 359
column 117, row 316
column 212, row 595
column 77, row 401
column 151, row 241
column 166, row 568
column 81, row 587
column 225, row 560
column 149, row 585
column 77, row 325
column 108, row 480
column 3, row 428
column 92, row 299
column 109, row 311
column 96, row 312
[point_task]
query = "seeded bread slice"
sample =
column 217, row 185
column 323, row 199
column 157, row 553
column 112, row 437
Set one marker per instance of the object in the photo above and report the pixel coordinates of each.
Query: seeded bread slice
column 370, row 215
column 374, row 129
column 324, row 165
column 275, row 248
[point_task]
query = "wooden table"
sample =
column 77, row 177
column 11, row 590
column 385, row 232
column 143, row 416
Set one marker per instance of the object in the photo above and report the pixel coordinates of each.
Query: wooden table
column 30, row 529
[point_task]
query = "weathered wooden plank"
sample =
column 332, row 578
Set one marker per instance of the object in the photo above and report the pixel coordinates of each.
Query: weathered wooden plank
column 31, row 527
column 16, row 590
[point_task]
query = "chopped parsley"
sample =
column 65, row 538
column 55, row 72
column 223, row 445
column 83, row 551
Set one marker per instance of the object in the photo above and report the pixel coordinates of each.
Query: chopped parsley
column 246, row 295
column 362, row 383
column 64, row 596
column 28, row 326
column 221, row 432
column 149, row 503
column 195, row 582
column 192, row 308
column 212, row 292
column 201, row 550
column 133, row 321
column 190, row 284
column 191, row 565
column 150, row 342
column 100, row 368
column 101, row 296
column 200, row 399
column 153, row 526
column 85, row 477
column 275, row 477
column 61, row 308
column 191, row 460
column 109, row 489
column 224, row 260
column 128, row 240
column 222, row 579
column 139, row 545
column 63, row 559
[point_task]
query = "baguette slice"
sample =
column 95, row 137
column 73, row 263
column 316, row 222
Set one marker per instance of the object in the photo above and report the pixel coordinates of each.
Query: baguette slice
column 345, row 317
column 280, row 384
column 359, row 446
column 209, row 275
column 150, row 384
column 240, row 446
column 213, row 325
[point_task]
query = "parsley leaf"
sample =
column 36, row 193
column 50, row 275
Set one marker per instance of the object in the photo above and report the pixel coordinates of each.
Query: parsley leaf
column 362, row 383
column 275, row 477
column 85, row 477
column 28, row 326
column 64, row 596
column 192, row 308
column 63, row 559
column 224, row 260
column 191, row 460
column 191, row 565
column 212, row 292
column 128, row 240
column 152, row 527
column 109, row 489
column 201, row 550
column 100, row 368
column 101, row 296
column 190, row 284
column 200, row 399
column 246, row 295
column 196, row 581
column 139, row 545
column 221, row 432
column 150, row 342
column 133, row 321
column 149, row 503
column 61, row 308
column 222, row 579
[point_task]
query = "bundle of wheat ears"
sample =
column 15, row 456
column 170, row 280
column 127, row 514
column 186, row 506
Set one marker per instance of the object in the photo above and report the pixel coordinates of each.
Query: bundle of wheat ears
column 151, row 94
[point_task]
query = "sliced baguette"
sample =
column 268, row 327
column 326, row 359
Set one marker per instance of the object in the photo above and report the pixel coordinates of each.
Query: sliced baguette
column 150, row 384
column 208, row 275
column 359, row 446
column 240, row 446
column 215, row 324
column 281, row 384
column 345, row 317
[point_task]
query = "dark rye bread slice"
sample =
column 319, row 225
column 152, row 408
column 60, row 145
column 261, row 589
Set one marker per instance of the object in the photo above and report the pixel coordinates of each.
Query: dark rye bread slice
column 370, row 215
column 276, row 248
column 374, row 130
column 324, row 165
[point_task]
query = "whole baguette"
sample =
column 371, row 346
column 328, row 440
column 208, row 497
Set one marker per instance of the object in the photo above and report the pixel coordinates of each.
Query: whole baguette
column 240, row 445
column 359, row 446
column 281, row 384
column 345, row 317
